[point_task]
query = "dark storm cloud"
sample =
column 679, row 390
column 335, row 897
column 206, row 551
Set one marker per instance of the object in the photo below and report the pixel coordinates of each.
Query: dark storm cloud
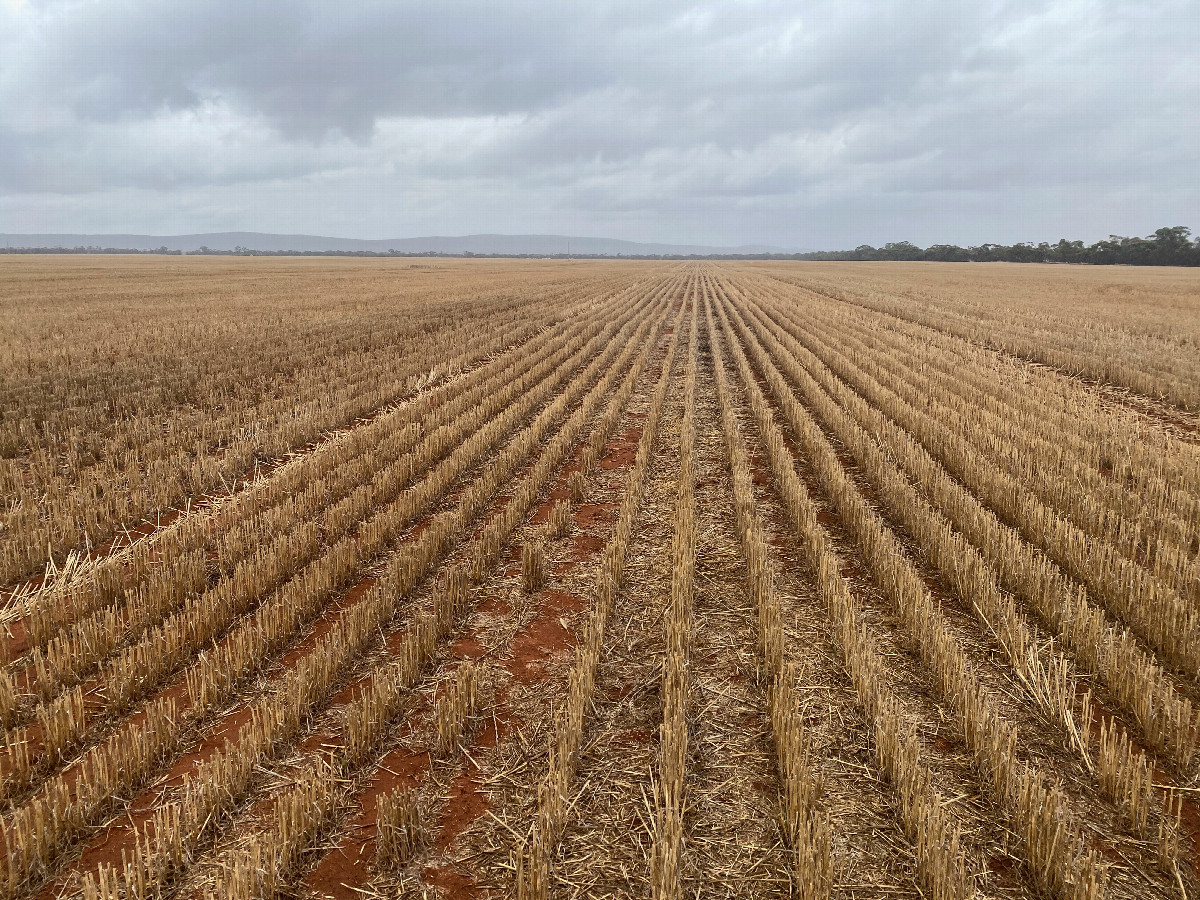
column 792, row 123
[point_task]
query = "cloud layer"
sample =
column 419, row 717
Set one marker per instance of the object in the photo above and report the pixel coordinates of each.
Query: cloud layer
column 813, row 124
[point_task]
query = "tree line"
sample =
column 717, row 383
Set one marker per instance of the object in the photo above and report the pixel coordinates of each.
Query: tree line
column 1166, row 247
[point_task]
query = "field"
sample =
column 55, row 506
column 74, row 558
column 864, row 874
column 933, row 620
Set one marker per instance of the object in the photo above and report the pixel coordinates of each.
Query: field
column 487, row 578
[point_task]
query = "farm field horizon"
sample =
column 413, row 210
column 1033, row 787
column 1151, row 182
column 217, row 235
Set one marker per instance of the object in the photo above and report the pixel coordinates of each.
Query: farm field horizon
column 542, row 579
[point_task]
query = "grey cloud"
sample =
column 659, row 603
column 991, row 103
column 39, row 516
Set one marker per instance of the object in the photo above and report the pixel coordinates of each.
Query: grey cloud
column 815, row 123
column 308, row 67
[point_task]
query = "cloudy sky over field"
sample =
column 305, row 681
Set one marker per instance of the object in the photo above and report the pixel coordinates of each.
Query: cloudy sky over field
column 798, row 124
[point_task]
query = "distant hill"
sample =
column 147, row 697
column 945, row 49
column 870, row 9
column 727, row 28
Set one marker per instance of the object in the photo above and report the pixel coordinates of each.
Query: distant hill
column 484, row 244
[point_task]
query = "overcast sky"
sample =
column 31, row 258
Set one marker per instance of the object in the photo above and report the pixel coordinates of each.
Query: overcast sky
column 798, row 124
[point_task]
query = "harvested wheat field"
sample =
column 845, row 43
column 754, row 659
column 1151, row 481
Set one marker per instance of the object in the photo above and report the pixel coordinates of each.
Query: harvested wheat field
column 497, row 578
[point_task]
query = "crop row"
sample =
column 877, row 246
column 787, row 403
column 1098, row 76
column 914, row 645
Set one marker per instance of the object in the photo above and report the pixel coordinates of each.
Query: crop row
column 146, row 430
column 162, row 649
column 1044, row 675
column 1049, row 502
column 677, row 625
column 804, row 825
column 1156, row 365
column 272, row 627
column 258, row 868
column 1052, row 843
column 1166, row 719
column 535, row 856
column 341, row 480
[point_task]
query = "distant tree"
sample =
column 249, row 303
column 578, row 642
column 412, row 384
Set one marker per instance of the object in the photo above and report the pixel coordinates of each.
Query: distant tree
column 946, row 253
column 1026, row 253
column 989, row 253
column 1069, row 251
column 1172, row 246
column 901, row 250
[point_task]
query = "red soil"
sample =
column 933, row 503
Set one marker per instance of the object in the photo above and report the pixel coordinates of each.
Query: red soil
column 468, row 647
column 591, row 515
column 455, row 884
column 466, row 804
column 585, row 546
column 542, row 638
column 622, row 449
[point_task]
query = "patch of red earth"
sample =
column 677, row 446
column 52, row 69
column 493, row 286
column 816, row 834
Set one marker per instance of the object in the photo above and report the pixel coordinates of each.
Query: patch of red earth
column 330, row 616
column 1006, row 869
column 778, row 539
column 545, row 636
column 1107, row 849
column 494, row 606
column 341, row 866
column 585, row 546
column 560, row 492
column 466, row 804
column 403, row 768
column 622, row 449
column 594, row 515
column 619, row 692
column 16, row 638
column 455, row 884
column 495, row 729
column 827, row 517
column 468, row 647
column 227, row 729
column 107, row 852
column 394, row 641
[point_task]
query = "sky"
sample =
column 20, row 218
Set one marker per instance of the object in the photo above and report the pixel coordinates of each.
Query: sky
column 802, row 124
